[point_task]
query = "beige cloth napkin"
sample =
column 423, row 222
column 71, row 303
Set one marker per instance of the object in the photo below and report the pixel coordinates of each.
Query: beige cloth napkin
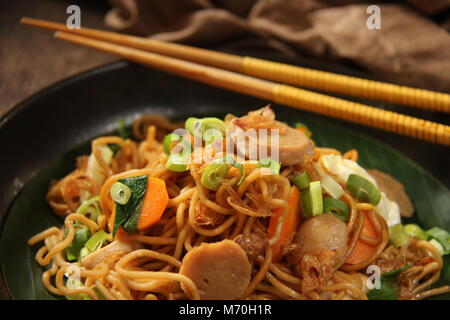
column 409, row 49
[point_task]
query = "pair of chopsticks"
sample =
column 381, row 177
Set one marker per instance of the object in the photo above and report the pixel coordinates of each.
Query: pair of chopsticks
column 254, row 77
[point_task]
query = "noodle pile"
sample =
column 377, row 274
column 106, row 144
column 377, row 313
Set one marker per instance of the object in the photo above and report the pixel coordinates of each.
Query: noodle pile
column 194, row 215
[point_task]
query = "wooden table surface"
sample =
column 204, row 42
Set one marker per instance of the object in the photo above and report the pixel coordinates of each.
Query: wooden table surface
column 30, row 59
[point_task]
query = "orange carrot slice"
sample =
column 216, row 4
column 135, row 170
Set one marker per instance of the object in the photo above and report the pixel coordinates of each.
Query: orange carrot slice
column 154, row 204
column 290, row 225
column 363, row 251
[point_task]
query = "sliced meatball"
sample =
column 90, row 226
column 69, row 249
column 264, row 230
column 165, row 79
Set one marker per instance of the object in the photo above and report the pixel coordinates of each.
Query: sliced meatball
column 110, row 253
column 394, row 191
column 292, row 147
column 220, row 270
column 320, row 244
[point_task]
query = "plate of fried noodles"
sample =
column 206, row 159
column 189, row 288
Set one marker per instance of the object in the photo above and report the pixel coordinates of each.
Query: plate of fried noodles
column 135, row 185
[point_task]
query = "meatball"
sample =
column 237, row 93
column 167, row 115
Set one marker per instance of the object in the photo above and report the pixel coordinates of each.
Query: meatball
column 324, row 232
column 221, row 270
column 320, row 245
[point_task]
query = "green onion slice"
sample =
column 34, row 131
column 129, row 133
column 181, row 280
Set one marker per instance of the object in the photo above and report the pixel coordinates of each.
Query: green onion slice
column 194, row 126
column 81, row 237
column 273, row 165
column 442, row 236
column 363, row 190
column 414, row 230
column 232, row 162
column 120, row 193
column 302, row 181
column 397, row 235
column 178, row 163
column 312, row 200
column 90, row 208
column 213, row 123
column 168, row 140
column 96, row 241
column 336, row 207
column 213, row 174
column 83, row 253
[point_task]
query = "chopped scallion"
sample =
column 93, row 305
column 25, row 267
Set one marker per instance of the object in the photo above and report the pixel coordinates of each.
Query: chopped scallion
column 90, row 208
column 232, row 162
column 336, row 207
column 213, row 123
column 312, row 200
column 415, row 231
column 81, row 237
column 194, row 126
column 397, row 235
column 168, row 140
column 442, row 236
column 302, row 181
column 213, row 174
column 96, row 241
column 177, row 163
column 120, row 193
column 363, row 190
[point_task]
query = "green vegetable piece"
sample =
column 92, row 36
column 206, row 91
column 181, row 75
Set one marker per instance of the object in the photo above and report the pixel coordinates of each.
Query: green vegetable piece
column 312, row 200
column 213, row 123
column 168, row 140
column 232, row 162
column 273, row 165
column 397, row 235
column 81, row 237
column 302, row 181
column 90, row 208
column 194, row 126
column 363, row 190
column 442, row 236
column 178, row 163
column 125, row 212
column 83, row 253
column 120, row 193
column 337, row 208
column 389, row 288
column 213, row 174
column 414, row 230
column 96, row 241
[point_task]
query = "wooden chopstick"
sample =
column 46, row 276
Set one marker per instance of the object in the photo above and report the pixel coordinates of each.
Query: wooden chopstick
column 274, row 71
column 279, row 93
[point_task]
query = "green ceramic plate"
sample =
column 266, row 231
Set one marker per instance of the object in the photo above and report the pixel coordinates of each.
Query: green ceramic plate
column 23, row 275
